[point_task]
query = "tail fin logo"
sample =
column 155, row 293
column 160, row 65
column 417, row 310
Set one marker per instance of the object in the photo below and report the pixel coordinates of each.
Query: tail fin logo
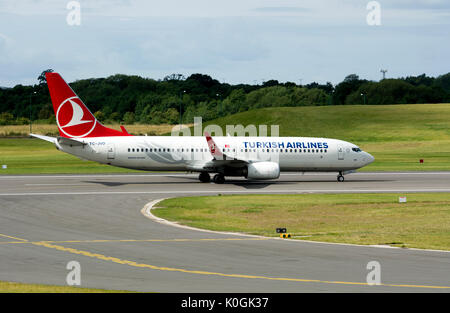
column 74, row 119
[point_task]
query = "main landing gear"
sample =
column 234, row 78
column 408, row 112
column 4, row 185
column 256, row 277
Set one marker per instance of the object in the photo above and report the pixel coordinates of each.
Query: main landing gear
column 340, row 177
column 219, row 178
column 205, row 178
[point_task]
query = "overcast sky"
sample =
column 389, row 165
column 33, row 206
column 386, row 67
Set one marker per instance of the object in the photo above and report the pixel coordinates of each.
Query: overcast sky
column 234, row 41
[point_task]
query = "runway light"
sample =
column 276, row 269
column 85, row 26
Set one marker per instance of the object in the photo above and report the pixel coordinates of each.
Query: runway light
column 421, row 160
column 402, row 199
column 285, row 236
column 281, row 230
column 4, row 166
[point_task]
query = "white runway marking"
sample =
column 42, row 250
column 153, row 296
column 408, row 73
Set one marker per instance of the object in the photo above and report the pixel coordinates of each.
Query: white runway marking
column 188, row 174
column 97, row 176
column 55, row 184
column 226, row 191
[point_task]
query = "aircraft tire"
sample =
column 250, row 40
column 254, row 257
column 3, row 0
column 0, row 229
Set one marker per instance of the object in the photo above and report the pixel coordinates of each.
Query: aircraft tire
column 219, row 178
column 204, row 177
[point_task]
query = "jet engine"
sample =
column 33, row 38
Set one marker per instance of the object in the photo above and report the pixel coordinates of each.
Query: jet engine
column 263, row 170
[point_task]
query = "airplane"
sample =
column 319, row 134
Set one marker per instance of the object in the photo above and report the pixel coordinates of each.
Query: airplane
column 255, row 158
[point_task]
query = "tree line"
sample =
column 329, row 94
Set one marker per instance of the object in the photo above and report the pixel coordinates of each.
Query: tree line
column 134, row 99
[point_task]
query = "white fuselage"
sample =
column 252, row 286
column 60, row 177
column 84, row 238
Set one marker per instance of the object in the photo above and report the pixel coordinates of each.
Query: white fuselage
column 165, row 153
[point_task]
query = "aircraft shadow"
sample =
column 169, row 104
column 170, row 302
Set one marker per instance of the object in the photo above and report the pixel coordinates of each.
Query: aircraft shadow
column 239, row 183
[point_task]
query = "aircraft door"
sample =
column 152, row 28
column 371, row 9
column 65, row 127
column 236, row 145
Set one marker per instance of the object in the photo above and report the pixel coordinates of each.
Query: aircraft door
column 340, row 153
column 111, row 152
column 233, row 151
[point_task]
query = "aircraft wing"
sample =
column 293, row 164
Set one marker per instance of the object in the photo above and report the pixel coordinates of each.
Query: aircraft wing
column 219, row 159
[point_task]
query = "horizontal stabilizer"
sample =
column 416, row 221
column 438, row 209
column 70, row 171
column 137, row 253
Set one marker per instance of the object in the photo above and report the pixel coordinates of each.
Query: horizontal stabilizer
column 46, row 138
column 70, row 141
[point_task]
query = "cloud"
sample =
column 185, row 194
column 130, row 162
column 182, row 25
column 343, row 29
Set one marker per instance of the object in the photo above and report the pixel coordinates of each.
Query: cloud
column 232, row 40
column 281, row 10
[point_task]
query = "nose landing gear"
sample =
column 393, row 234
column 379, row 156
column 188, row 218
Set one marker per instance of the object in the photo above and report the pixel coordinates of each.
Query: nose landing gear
column 340, row 177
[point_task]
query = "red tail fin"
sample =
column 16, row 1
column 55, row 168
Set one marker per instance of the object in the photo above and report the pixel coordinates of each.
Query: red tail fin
column 73, row 118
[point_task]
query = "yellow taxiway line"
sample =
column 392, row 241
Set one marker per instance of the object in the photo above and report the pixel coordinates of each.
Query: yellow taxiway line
column 52, row 245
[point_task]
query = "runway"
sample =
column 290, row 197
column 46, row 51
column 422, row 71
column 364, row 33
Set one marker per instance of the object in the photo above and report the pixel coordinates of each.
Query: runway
column 47, row 221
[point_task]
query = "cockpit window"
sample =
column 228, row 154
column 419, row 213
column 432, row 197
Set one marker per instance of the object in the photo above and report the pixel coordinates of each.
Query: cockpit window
column 356, row 149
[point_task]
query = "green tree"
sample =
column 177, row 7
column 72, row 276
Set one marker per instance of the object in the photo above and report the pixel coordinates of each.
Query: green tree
column 6, row 118
column 99, row 116
column 42, row 80
column 45, row 112
column 128, row 118
column 172, row 116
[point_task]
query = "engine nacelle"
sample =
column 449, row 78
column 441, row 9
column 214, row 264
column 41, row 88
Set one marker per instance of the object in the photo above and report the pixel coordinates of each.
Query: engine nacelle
column 263, row 170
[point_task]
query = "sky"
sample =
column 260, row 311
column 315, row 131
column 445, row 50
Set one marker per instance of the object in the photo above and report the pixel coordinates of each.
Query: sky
column 245, row 41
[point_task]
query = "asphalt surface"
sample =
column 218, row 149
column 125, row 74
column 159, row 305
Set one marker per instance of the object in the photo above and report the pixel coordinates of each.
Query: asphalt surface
column 96, row 220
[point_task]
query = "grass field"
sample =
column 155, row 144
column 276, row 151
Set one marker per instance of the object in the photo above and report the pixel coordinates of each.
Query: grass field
column 52, row 129
column 11, row 287
column 369, row 219
column 34, row 156
column 398, row 136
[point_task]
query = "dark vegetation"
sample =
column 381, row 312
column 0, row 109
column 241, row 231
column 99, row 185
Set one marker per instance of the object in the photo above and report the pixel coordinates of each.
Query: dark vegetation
column 133, row 99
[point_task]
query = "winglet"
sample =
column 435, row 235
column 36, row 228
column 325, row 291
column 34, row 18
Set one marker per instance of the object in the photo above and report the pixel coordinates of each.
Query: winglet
column 213, row 148
column 124, row 130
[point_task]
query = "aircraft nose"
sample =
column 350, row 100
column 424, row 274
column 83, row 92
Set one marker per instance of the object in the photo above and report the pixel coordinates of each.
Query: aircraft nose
column 369, row 158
